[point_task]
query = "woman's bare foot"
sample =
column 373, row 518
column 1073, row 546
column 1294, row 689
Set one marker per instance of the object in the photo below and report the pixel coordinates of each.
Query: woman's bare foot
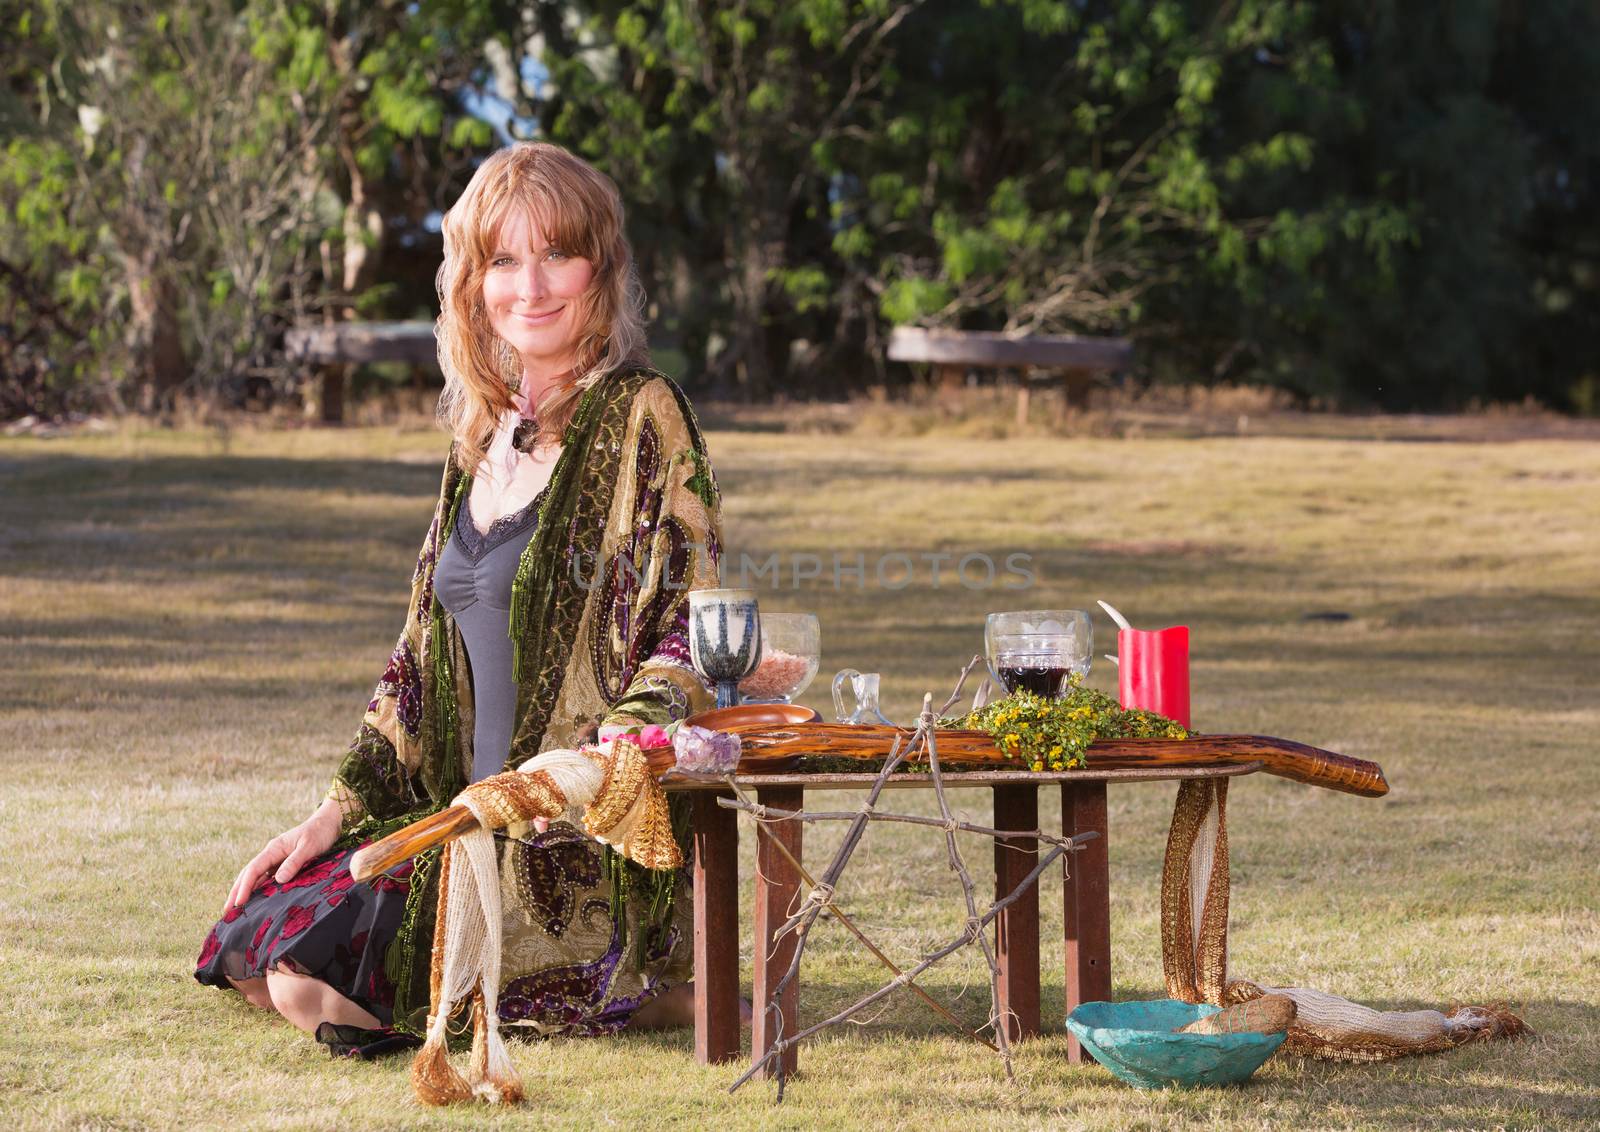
column 668, row 1010
column 673, row 1008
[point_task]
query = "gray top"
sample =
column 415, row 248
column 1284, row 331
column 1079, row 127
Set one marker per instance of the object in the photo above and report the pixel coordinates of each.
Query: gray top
column 473, row 580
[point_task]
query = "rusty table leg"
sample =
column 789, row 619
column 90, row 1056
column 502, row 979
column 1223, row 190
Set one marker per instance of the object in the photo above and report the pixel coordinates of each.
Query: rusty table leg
column 1087, row 902
column 1017, row 928
column 716, row 930
column 777, row 897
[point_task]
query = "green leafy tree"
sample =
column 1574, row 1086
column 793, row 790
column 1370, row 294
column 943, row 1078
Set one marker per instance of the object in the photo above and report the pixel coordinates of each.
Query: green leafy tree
column 401, row 140
column 1375, row 203
column 1051, row 167
column 202, row 177
column 820, row 170
column 1400, row 272
column 712, row 118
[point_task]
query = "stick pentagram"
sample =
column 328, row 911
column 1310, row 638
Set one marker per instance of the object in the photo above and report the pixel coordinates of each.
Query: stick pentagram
column 823, row 893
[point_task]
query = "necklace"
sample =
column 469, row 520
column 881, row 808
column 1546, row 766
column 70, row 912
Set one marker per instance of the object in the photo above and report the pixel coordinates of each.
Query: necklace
column 525, row 434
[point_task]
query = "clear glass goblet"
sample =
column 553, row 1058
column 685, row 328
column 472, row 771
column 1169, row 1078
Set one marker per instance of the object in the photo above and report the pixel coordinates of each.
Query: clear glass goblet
column 1038, row 649
column 791, row 649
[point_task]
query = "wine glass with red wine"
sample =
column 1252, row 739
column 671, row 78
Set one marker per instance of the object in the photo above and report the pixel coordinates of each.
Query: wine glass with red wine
column 1038, row 649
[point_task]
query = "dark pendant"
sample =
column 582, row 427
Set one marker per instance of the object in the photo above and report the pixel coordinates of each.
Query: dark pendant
column 523, row 436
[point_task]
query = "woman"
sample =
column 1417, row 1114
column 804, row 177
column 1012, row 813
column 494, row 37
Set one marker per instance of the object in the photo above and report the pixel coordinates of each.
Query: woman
column 549, row 606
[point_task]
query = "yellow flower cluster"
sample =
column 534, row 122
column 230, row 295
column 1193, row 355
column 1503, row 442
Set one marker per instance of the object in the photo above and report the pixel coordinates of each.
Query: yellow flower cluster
column 1052, row 734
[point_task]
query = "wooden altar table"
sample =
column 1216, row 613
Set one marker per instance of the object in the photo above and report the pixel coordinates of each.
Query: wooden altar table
column 1086, row 894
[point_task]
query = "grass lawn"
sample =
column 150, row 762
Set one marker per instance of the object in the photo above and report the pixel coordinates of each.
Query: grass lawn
column 192, row 624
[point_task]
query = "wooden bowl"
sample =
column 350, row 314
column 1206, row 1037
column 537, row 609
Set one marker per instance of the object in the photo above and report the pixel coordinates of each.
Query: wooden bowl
column 754, row 715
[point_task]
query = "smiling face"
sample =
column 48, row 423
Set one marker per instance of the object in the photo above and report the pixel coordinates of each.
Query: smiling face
column 531, row 291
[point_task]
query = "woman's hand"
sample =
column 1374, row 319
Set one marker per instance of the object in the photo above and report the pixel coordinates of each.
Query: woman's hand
column 288, row 852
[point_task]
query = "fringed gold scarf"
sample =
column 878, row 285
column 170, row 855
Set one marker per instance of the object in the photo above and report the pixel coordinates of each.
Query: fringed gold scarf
column 1194, row 955
column 623, row 807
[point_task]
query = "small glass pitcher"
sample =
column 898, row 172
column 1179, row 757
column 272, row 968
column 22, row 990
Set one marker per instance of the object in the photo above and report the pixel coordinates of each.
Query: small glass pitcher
column 864, row 685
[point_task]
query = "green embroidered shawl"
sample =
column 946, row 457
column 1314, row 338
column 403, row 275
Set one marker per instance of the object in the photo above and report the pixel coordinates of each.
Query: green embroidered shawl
column 629, row 525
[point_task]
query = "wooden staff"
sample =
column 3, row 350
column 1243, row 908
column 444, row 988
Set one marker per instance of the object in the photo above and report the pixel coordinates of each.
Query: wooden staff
column 769, row 748
column 1283, row 757
column 452, row 821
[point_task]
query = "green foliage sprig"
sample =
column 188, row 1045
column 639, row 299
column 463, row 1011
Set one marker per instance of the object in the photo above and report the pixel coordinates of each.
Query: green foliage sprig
column 1047, row 734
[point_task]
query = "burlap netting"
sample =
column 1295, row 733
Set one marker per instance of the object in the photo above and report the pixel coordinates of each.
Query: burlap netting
column 1194, row 955
column 623, row 806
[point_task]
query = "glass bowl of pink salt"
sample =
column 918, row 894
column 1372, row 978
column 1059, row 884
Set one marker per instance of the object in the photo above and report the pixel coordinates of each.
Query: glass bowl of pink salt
column 791, row 648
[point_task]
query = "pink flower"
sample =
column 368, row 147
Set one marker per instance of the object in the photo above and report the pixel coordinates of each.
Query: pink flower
column 648, row 735
column 653, row 735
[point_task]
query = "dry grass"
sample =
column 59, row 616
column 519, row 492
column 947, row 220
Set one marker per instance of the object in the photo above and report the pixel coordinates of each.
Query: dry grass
column 192, row 622
column 990, row 412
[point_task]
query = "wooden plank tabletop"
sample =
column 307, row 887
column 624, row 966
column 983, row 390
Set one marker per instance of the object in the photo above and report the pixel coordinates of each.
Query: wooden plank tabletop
column 674, row 780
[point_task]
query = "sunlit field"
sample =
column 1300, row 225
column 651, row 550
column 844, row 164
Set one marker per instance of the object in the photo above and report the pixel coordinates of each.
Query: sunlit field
column 192, row 625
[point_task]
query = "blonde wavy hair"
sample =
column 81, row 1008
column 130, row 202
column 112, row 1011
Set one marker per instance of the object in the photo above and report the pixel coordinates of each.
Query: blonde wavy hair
column 579, row 210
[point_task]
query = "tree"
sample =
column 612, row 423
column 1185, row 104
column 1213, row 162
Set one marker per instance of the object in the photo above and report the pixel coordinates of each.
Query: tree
column 1375, row 202
column 711, row 117
column 1438, row 242
column 1025, row 165
column 204, row 216
column 401, row 141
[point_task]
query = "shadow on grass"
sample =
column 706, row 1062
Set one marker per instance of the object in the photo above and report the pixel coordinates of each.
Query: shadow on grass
column 1505, row 1082
column 176, row 519
column 110, row 477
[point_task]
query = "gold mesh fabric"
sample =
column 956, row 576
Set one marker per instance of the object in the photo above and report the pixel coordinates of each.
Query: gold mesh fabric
column 1196, row 969
column 351, row 808
column 630, row 811
column 1194, row 956
column 514, row 796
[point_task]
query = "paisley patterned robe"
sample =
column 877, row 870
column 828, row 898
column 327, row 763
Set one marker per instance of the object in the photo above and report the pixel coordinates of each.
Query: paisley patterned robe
column 628, row 526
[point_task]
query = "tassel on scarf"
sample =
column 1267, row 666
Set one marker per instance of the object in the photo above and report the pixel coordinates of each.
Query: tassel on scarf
column 494, row 1077
column 433, row 1078
column 466, row 962
column 625, row 807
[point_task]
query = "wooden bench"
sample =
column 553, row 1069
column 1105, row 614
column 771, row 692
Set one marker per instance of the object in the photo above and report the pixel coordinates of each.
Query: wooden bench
column 1086, row 895
column 1072, row 359
column 330, row 349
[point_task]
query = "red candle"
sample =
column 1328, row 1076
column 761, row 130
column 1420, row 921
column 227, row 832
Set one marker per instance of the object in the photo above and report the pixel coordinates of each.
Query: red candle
column 1153, row 670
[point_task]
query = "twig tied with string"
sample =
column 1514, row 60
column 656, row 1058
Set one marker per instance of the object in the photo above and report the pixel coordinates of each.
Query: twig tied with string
column 823, row 894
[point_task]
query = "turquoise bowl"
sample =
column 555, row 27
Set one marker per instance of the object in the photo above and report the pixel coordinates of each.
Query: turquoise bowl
column 1135, row 1040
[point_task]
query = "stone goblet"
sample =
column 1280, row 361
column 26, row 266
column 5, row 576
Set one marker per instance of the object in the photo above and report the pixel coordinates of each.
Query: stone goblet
column 724, row 639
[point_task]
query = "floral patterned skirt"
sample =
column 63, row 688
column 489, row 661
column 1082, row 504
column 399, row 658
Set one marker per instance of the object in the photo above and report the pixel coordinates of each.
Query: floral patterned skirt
column 321, row 923
column 569, row 966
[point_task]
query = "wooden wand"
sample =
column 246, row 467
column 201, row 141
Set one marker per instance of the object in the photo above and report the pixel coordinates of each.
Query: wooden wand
column 769, row 749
